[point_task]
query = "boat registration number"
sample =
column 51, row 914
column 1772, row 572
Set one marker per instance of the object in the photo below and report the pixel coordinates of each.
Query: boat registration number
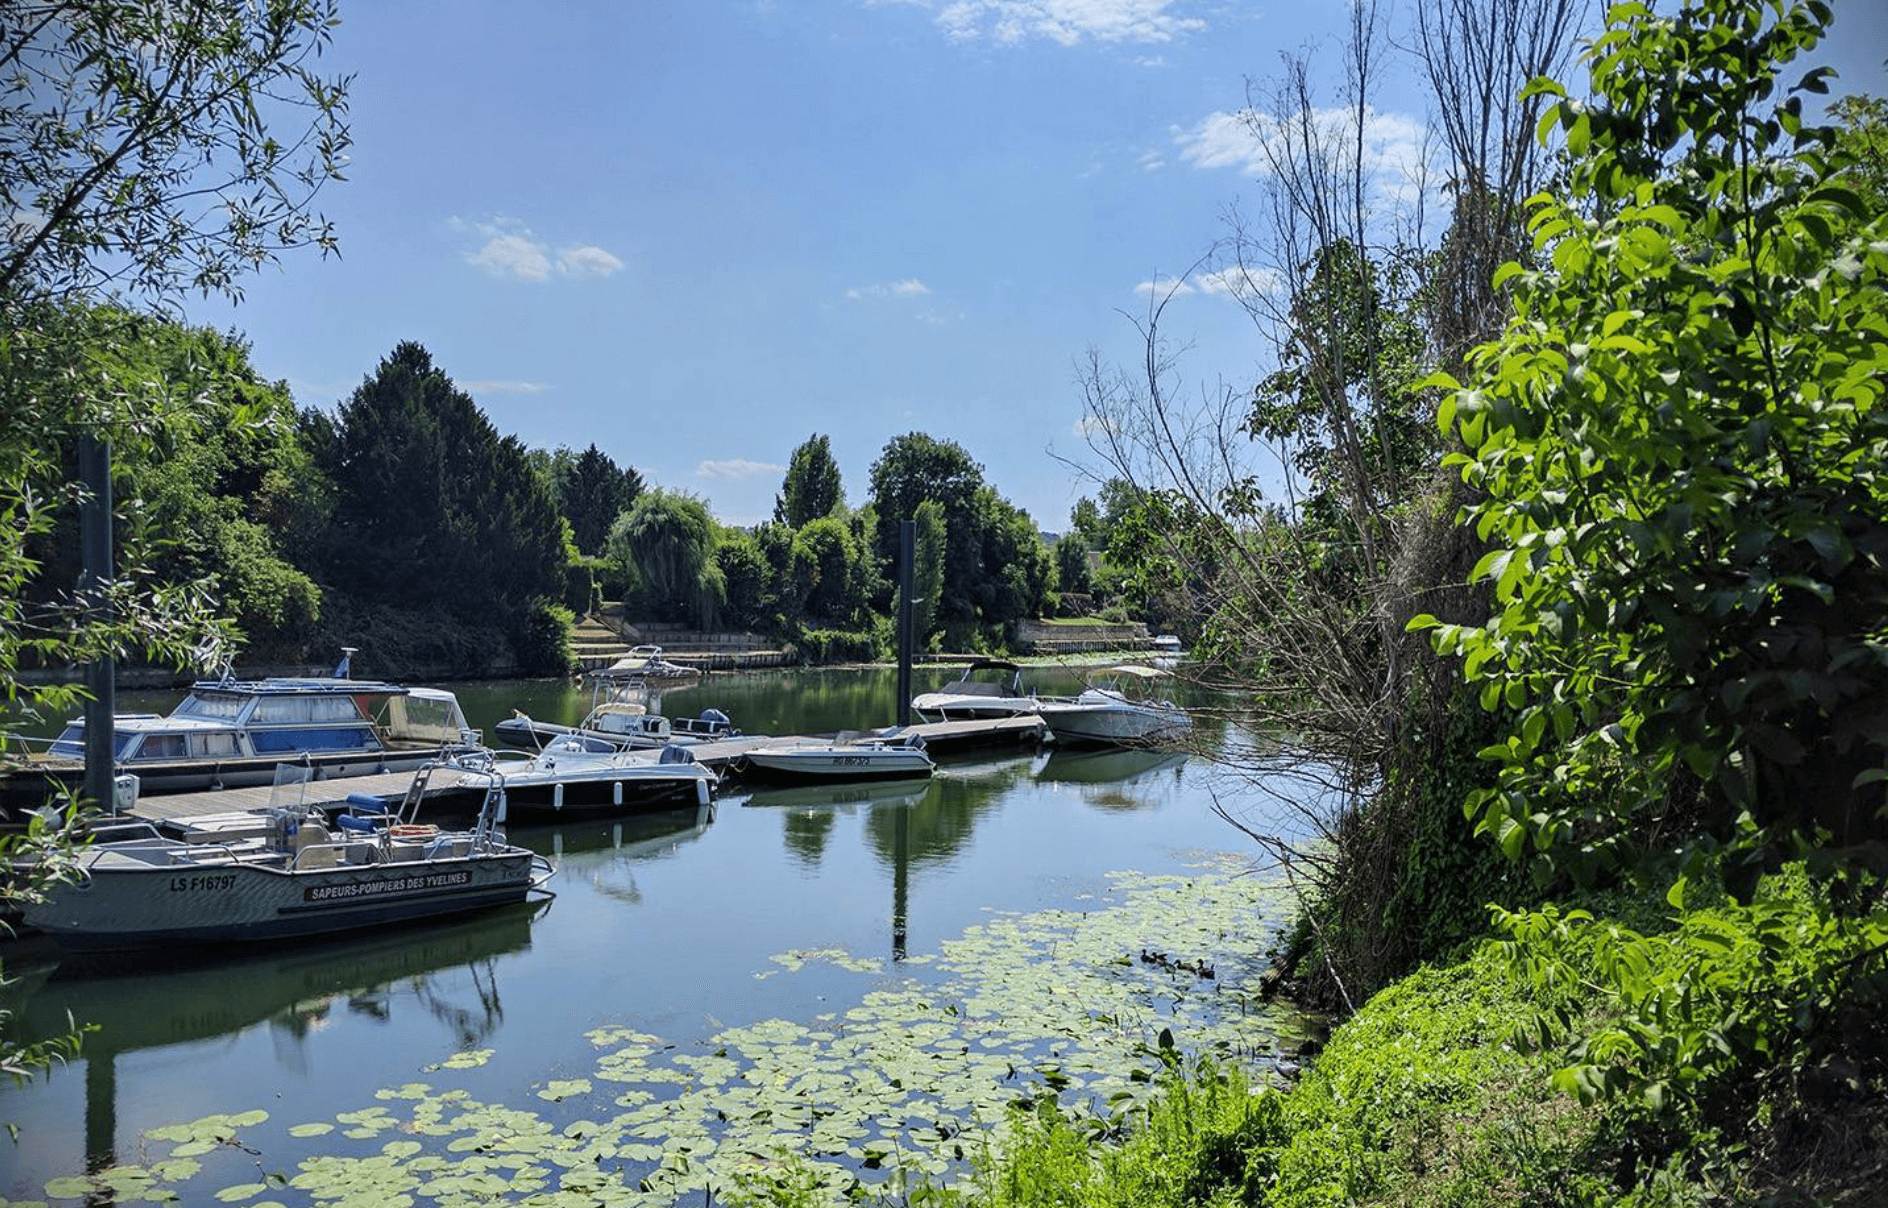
column 850, row 761
column 212, row 882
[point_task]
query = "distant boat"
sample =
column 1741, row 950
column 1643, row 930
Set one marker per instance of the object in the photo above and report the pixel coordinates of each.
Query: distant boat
column 1107, row 715
column 977, row 693
column 621, row 719
column 868, row 757
column 647, row 663
column 231, row 733
column 280, row 873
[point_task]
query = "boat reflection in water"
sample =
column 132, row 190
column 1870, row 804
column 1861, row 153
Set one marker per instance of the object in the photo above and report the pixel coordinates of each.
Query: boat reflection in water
column 1114, row 779
column 296, row 988
column 605, row 851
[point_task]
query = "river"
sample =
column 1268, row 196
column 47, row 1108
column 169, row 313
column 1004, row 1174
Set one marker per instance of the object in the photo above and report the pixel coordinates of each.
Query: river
column 1037, row 919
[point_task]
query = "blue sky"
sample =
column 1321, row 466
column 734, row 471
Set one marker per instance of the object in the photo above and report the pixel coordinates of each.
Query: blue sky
column 696, row 232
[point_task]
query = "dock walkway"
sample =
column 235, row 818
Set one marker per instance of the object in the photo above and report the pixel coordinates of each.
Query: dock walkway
column 448, row 784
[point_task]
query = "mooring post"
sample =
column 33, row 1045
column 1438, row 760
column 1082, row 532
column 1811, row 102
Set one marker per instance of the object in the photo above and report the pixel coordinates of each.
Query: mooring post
column 907, row 547
column 95, row 572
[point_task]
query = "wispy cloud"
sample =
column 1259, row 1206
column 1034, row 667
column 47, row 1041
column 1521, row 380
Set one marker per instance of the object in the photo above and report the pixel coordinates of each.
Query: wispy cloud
column 510, row 249
column 504, row 386
column 736, row 468
column 1065, row 22
column 1237, row 284
column 1253, row 142
column 910, row 287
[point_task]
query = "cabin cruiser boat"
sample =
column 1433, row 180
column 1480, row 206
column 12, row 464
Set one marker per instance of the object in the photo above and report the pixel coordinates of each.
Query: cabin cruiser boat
column 647, row 663
column 287, row 871
column 977, row 693
column 622, row 721
column 887, row 756
column 1106, row 714
column 230, row 733
column 579, row 777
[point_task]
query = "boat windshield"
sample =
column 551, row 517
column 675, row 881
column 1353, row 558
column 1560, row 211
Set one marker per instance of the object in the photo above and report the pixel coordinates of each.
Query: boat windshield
column 71, row 743
column 218, row 708
column 307, row 708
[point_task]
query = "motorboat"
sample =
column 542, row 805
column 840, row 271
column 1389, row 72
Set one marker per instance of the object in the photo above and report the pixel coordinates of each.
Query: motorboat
column 620, row 719
column 894, row 755
column 286, row 871
column 647, row 663
column 1107, row 714
column 231, row 733
column 978, row 693
column 577, row 777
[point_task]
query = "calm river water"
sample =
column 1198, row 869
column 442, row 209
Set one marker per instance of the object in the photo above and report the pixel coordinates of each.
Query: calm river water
column 774, row 909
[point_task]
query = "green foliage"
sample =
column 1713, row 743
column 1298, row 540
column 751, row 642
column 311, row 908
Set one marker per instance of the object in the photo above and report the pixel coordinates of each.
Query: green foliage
column 811, row 488
column 543, row 640
column 845, row 645
column 135, row 154
column 593, row 491
column 432, row 509
column 829, row 564
column 668, row 538
column 931, row 539
column 1682, row 459
column 1071, row 564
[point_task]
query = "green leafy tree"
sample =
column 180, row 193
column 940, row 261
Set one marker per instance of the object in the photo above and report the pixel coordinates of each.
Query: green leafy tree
column 1071, row 564
column 150, row 146
column 914, row 468
column 1681, row 446
column 668, row 537
column 752, row 591
column 147, row 147
column 811, row 488
column 932, row 532
column 831, row 562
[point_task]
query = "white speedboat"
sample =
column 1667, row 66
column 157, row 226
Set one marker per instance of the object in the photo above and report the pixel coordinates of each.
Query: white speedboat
column 978, row 693
column 283, row 872
column 869, row 757
column 647, row 663
column 623, row 723
column 1106, row 714
column 576, row 777
column 231, row 733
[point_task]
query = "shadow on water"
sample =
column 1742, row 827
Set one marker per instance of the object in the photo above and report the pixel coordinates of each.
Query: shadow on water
column 605, row 852
column 294, row 988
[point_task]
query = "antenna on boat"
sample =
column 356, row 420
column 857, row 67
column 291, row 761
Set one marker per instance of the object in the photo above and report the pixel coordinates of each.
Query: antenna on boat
column 342, row 668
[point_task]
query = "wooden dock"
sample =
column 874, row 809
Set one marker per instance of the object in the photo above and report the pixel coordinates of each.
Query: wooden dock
column 448, row 784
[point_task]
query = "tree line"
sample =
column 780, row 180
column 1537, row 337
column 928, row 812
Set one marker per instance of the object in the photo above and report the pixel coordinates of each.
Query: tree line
column 405, row 524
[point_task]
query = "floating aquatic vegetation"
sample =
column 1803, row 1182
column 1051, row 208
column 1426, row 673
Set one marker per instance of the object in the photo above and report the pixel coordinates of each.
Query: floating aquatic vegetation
column 911, row 1081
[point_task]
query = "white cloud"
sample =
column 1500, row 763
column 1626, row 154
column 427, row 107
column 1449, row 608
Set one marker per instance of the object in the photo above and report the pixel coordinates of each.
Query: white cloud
column 1065, row 22
column 513, row 256
column 504, row 386
column 1236, row 283
column 1098, row 426
column 735, row 468
column 587, row 261
column 512, row 250
column 1250, row 142
column 910, row 287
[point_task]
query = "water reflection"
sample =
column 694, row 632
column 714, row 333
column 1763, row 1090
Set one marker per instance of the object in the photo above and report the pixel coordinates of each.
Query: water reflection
column 611, row 849
column 1116, row 780
column 296, row 989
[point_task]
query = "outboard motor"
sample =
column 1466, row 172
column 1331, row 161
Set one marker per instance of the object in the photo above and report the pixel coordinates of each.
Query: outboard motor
column 674, row 754
column 714, row 717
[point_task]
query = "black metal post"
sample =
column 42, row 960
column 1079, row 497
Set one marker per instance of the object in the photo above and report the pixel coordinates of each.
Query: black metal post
column 907, row 553
column 95, row 572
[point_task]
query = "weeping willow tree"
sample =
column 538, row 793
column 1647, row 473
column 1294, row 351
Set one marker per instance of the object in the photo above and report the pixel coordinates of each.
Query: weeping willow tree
column 665, row 542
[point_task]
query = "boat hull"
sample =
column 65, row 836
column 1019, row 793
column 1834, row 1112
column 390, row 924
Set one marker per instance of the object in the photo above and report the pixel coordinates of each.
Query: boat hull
column 836, row 765
column 604, row 795
column 1080, row 725
column 123, row 903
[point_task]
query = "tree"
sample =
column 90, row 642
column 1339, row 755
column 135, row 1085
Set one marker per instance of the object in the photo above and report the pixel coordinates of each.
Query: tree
column 811, row 488
column 144, row 146
column 669, row 537
column 914, row 468
column 932, row 533
column 1683, row 453
column 151, row 146
column 1071, row 565
column 593, row 492
column 432, row 508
